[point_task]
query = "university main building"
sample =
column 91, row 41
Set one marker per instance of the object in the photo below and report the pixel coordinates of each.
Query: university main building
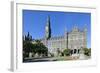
column 73, row 40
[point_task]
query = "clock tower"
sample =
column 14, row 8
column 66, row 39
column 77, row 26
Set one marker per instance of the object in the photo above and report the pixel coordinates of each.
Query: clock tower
column 48, row 29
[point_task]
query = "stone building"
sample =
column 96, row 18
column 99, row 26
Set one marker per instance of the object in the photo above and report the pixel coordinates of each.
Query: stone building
column 73, row 40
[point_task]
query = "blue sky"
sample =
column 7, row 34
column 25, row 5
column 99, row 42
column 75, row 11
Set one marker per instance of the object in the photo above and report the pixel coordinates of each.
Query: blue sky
column 35, row 22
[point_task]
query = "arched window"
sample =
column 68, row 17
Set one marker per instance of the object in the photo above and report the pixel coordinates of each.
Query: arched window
column 75, row 51
column 78, row 51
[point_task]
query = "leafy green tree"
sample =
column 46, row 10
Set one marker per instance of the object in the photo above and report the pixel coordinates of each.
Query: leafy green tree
column 66, row 52
column 36, row 47
column 39, row 48
column 27, row 48
column 87, row 51
column 27, row 45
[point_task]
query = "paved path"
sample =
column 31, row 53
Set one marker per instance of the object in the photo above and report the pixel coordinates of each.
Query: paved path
column 51, row 59
column 48, row 59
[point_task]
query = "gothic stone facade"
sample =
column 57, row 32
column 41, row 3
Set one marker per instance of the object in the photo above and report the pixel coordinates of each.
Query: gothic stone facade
column 74, row 40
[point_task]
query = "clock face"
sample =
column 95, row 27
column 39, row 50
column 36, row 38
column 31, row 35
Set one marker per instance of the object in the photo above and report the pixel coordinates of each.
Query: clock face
column 46, row 28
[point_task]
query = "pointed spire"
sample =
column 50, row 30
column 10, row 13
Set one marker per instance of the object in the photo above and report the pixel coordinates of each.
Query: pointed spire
column 28, row 34
column 65, row 32
column 48, row 28
column 75, row 27
column 48, row 18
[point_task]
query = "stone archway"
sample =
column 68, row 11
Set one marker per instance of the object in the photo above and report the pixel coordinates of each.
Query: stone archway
column 71, row 52
column 78, row 51
column 75, row 51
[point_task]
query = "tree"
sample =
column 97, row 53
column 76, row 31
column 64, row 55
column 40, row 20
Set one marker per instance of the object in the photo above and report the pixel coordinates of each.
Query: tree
column 39, row 48
column 27, row 45
column 27, row 48
column 87, row 51
column 66, row 52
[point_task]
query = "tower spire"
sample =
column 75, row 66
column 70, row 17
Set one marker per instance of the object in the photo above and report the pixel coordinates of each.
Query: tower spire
column 48, row 28
column 75, row 28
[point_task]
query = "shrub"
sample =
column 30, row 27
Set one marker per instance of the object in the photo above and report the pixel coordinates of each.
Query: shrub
column 66, row 52
column 87, row 51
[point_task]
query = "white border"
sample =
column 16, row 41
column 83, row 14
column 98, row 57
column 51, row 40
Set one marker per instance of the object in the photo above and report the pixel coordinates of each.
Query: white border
column 17, row 64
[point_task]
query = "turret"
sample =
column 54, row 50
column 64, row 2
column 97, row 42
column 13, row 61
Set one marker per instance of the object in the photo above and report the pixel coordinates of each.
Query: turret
column 85, row 35
column 85, row 28
column 75, row 28
column 66, row 38
column 65, row 32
